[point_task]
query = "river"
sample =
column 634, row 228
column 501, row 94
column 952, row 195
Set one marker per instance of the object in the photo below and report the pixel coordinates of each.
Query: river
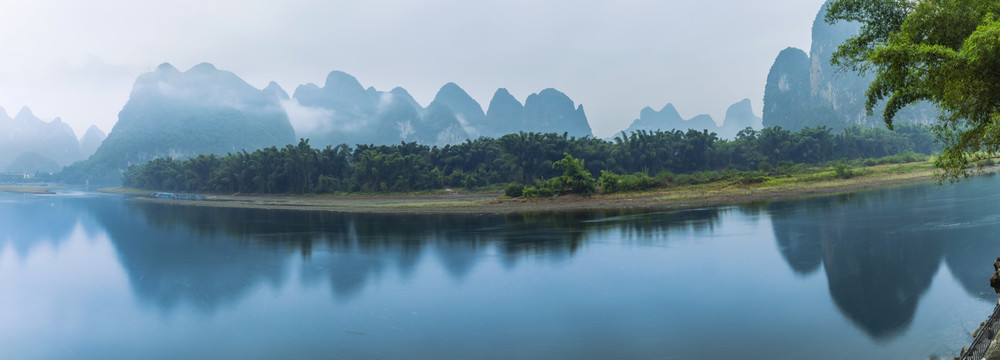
column 898, row 273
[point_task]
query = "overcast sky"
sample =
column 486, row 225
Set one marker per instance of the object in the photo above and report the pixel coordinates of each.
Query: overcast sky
column 77, row 59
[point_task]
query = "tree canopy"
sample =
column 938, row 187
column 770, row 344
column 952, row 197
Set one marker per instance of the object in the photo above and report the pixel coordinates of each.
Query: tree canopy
column 946, row 52
column 525, row 158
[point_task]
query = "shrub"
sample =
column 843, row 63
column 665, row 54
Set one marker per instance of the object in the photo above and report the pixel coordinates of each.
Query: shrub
column 537, row 192
column 751, row 177
column 513, row 190
column 612, row 183
column 609, row 182
column 765, row 166
column 704, row 177
column 843, row 170
column 575, row 179
column 665, row 177
column 682, row 179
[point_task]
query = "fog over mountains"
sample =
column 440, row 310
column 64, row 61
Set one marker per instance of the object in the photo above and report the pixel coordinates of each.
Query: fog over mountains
column 28, row 144
column 205, row 110
column 343, row 111
column 200, row 111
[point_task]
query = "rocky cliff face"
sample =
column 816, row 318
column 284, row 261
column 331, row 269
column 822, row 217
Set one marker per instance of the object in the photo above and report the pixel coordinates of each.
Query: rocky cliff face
column 200, row 111
column 788, row 102
column 806, row 90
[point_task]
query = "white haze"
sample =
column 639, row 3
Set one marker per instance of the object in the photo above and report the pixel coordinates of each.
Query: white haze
column 78, row 59
column 307, row 119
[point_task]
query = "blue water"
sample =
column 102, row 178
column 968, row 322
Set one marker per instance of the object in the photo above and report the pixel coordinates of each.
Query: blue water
column 900, row 273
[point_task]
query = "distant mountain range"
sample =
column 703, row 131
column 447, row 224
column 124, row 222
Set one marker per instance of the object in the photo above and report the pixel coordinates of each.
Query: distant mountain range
column 342, row 111
column 205, row 110
column 806, row 90
column 738, row 117
column 28, row 144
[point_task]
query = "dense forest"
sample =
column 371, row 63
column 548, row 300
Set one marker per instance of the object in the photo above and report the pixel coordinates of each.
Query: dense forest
column 523, row 158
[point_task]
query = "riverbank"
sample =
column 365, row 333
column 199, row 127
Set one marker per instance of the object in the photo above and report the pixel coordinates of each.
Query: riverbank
column 28, row 189
column 817, row 181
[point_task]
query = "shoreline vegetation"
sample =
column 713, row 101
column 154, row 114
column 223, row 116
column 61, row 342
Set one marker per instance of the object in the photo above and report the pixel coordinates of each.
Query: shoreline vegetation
column 533, row 172
column 819, row 180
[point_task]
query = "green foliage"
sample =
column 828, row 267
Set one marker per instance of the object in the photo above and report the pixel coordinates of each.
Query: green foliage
column 751, row 177
column 986, row 162
column 843, row 170
column 677, row 158
column 513, row 190
column 575, row 179
column 537, row 192
column 664, row 177
column 944, row 52
column 610, row 182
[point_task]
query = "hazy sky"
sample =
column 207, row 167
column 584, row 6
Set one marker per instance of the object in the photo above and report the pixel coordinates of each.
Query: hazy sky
column 77, row 59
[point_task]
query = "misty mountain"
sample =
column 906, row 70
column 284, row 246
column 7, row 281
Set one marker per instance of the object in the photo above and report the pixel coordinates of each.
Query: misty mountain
column 504, row 114
column 343, row 111
column 467, row 111
column 548, row 111
column 36, row 144
column 806, row 90
column 552, row 111
column 90, row 141
column 787, row 98
column 32, row 163
column 200, row 111
column 738, row 117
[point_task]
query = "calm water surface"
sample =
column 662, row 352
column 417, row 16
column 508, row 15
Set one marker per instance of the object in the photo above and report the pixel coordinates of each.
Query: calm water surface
column 900, row 273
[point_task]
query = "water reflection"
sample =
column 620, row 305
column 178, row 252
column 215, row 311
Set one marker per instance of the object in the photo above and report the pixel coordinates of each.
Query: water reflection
column 880, row 250
column 212, row 257
column 172, row 259
column 49, row 224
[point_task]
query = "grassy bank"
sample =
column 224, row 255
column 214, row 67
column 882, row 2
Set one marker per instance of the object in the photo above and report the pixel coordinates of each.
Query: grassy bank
column 27, row 189
column 806, row 181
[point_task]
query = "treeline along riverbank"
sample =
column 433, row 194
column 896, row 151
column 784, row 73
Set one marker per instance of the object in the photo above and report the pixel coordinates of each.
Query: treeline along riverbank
column 524, row 158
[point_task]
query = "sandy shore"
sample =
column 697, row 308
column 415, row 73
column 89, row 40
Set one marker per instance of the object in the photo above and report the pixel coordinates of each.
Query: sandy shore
column 482, row 203
column 28, row 189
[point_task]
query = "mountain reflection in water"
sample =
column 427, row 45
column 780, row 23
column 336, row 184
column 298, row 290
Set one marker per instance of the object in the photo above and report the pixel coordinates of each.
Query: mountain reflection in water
column 879, row 251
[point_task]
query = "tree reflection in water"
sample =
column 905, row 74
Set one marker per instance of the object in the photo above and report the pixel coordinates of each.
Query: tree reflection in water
column 212, row 257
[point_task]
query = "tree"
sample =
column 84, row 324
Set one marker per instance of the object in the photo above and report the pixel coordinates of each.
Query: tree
column 575, row 178
column 946, row 52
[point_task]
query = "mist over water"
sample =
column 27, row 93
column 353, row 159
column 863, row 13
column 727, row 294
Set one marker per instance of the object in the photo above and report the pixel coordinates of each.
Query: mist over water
column 895, row 273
